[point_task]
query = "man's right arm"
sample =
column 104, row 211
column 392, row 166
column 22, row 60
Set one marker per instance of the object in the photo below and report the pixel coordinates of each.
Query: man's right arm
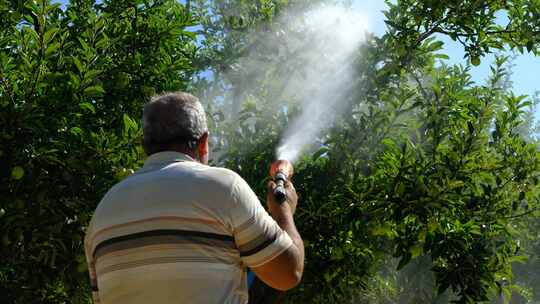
column 270, row 246
column 285, row 271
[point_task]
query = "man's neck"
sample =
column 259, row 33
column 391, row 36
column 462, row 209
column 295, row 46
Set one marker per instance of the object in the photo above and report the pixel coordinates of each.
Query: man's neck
column 190, row 153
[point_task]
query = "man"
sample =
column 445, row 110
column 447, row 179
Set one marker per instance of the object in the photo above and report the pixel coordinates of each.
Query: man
column 180, row 231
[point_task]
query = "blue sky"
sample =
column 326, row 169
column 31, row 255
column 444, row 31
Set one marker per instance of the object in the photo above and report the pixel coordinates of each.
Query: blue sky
column 526, row 65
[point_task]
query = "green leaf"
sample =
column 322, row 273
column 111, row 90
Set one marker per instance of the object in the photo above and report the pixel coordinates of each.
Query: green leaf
column 94, row 91
column 322, row 151
column 382, row 230
column 49, row 35
column 76, row 131
column 442, row 56
column 92, row 74
column 435, row 46
column 88, row 106
column 51, row 48
column 129, row 125
column 84, row 44
column 78, row 64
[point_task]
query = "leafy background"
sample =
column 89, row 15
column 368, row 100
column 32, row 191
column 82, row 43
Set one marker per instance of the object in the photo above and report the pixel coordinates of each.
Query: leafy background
column 424, row 191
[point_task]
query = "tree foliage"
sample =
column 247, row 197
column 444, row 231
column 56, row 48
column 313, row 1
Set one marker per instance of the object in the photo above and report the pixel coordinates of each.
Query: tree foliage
column 70, row 82
column 481, row 26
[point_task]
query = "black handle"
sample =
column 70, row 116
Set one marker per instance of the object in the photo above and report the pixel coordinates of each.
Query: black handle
column 279, row 192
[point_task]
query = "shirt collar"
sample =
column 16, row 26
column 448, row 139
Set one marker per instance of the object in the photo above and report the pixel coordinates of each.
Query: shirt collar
column 166, row 157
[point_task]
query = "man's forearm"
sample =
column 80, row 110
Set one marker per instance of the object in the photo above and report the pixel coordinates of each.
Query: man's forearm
column 285, row 220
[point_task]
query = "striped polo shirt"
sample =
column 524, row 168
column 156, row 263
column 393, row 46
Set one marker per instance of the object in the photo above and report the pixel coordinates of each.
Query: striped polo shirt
column 178, row 231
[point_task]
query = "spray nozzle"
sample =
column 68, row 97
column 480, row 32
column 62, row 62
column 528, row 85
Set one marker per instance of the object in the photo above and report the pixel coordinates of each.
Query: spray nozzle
column 279, row 192
column 281, row 171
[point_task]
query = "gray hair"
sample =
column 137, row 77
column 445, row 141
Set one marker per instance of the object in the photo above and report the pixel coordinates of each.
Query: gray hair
column 172, row 119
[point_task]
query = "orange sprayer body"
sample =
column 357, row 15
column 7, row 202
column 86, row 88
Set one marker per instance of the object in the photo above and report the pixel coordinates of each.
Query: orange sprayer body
column 282, row 165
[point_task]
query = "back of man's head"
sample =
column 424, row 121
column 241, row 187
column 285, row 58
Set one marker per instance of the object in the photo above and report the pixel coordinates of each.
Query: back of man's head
column 172, row 120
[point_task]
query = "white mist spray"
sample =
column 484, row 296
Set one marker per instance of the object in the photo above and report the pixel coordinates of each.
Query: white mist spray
column 336, row 33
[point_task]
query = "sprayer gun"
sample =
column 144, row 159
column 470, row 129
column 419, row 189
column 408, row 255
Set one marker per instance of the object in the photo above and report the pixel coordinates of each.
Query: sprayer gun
column 281, row 171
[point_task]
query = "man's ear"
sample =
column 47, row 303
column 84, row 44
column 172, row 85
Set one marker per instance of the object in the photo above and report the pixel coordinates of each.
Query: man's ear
column 202, row 145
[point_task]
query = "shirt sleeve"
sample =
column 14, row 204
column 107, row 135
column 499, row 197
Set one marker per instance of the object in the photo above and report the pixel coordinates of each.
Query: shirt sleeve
column 257, row 236
column 91, row 264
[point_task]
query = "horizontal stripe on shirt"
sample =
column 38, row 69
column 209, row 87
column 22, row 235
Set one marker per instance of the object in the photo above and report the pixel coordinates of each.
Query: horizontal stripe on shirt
column 158, row 220
column 161, row 260
column 262, row 243
column 165, row 236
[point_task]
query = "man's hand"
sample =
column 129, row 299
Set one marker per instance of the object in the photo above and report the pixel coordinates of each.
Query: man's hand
column 276, row 209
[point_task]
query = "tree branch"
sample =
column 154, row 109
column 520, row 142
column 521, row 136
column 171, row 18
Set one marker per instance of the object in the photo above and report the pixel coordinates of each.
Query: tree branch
column 522, row 214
